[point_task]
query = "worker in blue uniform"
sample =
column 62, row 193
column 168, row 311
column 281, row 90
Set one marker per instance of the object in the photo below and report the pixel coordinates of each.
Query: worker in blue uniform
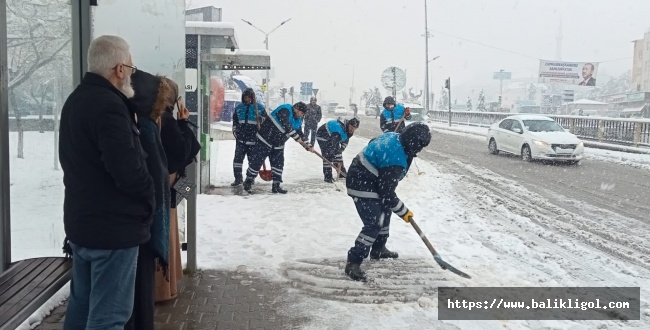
column 245, row 120
column 333, row 138
column 371, row 182
column 282, row 123
column 393, row 116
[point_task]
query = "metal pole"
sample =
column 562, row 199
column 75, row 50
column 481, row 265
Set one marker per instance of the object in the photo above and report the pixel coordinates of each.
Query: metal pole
column 352, row 88
column 449, row 101
column 266, row 41
column 394, row 84
column 268, row 90
column 501, row 85
column 81, row 28
column 426, row 59
column 5, row 220
column 57, row 103
column 193, row 170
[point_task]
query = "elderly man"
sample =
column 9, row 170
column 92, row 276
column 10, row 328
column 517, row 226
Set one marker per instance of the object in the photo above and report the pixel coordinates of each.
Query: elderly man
column 109, row 194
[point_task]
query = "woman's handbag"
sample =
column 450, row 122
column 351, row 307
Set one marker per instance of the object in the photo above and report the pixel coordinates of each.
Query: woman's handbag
column 184, row 187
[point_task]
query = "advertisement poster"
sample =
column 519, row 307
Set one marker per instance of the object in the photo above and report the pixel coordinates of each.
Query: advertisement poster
column 568, row 73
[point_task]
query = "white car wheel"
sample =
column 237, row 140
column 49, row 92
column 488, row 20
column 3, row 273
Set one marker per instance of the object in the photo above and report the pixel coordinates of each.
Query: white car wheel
column 492, row 146
column 526, row 154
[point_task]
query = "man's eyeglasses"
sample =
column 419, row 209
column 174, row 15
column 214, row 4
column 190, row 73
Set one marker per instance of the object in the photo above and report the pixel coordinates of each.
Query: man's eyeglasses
column 133, row 67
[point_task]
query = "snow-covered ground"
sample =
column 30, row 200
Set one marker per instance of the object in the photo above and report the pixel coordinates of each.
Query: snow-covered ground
column 604, row 155
column 303, row 238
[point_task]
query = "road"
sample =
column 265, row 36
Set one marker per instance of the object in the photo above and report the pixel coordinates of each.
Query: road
column 604, row 205
column 621, row 189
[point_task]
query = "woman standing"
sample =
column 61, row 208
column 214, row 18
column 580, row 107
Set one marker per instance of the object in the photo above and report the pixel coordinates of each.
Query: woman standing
column 151, row 93
column 181, row 147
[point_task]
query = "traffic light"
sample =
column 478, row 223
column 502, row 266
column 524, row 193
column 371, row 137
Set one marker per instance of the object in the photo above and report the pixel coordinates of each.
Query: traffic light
column 291, row 91
column 448, row 83
column 283, row 91
column 499, row 100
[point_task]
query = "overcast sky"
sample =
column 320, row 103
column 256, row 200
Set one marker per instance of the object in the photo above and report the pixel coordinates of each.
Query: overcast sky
column 326, row 38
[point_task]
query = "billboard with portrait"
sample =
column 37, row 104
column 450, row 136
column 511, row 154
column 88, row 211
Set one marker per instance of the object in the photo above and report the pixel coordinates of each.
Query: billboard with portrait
column 568, row 73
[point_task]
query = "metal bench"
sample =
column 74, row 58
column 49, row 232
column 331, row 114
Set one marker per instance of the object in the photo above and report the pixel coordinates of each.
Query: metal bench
column 27, row 285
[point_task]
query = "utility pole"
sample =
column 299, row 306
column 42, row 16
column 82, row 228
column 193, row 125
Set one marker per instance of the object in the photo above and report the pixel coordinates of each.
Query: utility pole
column 501, row 83
column 448, row 86
column 266, row 41
column 426, row 59
column 394, row 84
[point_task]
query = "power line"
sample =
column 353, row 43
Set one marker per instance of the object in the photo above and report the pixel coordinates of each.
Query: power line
column 484, row 44
column 510, row 51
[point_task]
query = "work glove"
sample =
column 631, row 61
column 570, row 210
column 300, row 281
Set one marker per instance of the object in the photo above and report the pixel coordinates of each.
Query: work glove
column 308, row 146
column 408, row 216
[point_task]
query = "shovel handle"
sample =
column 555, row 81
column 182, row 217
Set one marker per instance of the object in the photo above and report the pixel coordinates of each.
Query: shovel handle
column 319, row 155
column 423, row 237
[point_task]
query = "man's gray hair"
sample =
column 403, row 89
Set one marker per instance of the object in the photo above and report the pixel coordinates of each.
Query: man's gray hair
column 105, row 53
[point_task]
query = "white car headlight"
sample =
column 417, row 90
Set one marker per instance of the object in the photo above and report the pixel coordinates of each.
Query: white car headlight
column 541, row 143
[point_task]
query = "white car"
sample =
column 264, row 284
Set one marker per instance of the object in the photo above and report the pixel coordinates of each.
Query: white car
column 340, row 110
column 534, row 137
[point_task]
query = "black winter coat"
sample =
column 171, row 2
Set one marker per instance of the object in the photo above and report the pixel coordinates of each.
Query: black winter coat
column 180, row 144
column 313, row 115
column 109, row 194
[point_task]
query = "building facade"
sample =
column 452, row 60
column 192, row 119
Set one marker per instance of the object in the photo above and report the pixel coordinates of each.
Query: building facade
column 641, row 64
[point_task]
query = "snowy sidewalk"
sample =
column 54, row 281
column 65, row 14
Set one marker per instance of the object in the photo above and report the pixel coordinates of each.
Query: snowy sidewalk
column 215, row 300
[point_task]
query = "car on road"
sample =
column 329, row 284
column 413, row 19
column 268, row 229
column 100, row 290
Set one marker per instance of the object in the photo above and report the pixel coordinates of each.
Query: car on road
column 534, row 137
column 417, row 112
column 340, row 110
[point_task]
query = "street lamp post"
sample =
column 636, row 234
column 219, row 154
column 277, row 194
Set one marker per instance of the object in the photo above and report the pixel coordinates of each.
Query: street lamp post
column 266, row 42
column 501, row 82
column 426, row 58
column 352, row 85
column 428, row 103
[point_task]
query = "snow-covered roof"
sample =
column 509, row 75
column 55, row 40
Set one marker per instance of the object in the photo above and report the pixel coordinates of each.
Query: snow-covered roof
column 215, row 29
column 586, row 101
column 633, row 110
column 241, row 52
column 239, row 59
column 210, row 25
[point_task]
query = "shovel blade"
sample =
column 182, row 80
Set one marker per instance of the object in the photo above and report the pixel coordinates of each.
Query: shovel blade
column 266, row 175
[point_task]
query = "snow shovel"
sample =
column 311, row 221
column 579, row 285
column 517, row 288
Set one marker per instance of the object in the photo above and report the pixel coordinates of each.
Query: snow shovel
column 265, row 174
column 398, row 123
column 338, row 170
column 443, row 264
column 417, row 167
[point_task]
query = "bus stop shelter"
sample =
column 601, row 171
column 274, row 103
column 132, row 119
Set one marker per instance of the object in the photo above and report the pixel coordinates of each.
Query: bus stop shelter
column 37, row 237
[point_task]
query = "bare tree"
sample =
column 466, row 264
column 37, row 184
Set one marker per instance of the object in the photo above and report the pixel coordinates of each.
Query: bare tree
column 40, row 30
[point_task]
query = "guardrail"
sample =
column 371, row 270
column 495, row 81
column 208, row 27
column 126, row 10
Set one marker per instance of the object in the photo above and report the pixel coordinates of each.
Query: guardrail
column 632, row 132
